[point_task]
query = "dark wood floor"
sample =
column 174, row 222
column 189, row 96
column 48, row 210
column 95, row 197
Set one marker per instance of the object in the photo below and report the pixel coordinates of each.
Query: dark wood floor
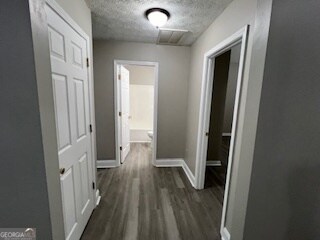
column 140, row 202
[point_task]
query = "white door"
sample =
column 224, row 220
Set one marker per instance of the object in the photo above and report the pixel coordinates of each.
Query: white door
column 71, row 97
column 125, row 112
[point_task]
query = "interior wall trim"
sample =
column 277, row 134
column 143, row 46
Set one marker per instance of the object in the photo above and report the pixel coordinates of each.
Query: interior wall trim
column 169, row 162
column 225, row 235
column 226, row 134
column 107, row 164
column 189, row 174
column 98, row 197
column 177, row 162
column 213, row 163
column 166, row 162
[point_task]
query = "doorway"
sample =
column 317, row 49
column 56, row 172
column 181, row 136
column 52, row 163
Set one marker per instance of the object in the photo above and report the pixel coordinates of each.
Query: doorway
column 221, row 115
column 218, row 118
column 136, row 88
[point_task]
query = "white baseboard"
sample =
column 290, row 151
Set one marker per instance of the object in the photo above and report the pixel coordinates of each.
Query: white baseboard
column 106, row 163
column 226, row 134
column 189, row 174
column 140, row 141
column 98, row 197
column 169, row 162
column 225, row 235
column 177, row 162
column 214, row 163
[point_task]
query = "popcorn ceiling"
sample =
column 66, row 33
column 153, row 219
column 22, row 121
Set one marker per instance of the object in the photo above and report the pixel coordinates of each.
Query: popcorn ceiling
column 125, row 19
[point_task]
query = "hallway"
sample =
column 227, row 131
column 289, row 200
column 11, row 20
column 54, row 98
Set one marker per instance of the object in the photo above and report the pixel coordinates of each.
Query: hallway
column 139, row 201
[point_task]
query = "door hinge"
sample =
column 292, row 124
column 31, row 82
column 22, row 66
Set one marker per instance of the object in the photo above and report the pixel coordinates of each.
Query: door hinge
column 119, row 76
column 120, row 148
column 207, row 134
column 90, row 127
column 87, row 62
column 93, row 185
column 120, row 114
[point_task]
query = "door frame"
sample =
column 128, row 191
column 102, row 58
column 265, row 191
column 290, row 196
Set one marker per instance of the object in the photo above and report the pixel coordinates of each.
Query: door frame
column 117, row 105
column 64, row 15
column 240, row 37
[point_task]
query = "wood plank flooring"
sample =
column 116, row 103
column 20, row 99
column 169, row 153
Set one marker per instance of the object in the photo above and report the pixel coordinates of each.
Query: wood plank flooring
column 139, row 201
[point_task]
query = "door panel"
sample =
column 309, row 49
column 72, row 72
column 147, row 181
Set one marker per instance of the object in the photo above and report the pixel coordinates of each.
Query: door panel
column 84, row 174
column 125, row 112
column 71, row 97
column 69, row 202
column 57, row 43
column 77, row 55
column 60, row 93
column 80, row 108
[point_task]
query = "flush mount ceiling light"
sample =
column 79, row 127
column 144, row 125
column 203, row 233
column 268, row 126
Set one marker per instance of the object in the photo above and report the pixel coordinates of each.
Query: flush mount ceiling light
column 157, row 16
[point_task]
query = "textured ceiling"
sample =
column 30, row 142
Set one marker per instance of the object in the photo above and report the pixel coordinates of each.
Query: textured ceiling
column 125, row 19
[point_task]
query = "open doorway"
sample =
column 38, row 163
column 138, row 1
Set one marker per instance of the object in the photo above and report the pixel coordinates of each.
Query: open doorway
column 221, row 116
column 218, row 119
column 136, row 108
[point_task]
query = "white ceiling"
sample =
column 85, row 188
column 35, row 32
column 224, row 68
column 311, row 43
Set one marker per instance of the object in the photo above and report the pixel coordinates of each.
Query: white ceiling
column 125, row 19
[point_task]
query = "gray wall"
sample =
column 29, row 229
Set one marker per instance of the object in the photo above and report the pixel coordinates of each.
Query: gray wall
column 284, row 193
column 248, row 118
column 174, row 63
column 24, row 194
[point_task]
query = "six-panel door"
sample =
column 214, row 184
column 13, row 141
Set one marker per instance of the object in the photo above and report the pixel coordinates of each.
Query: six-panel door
column 71, row 97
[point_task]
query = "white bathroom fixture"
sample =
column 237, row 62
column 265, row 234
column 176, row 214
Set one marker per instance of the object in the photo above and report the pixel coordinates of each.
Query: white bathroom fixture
column 150, row 134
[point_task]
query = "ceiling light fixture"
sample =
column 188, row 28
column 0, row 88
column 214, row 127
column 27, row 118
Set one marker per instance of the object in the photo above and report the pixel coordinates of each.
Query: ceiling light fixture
column 157, row 16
